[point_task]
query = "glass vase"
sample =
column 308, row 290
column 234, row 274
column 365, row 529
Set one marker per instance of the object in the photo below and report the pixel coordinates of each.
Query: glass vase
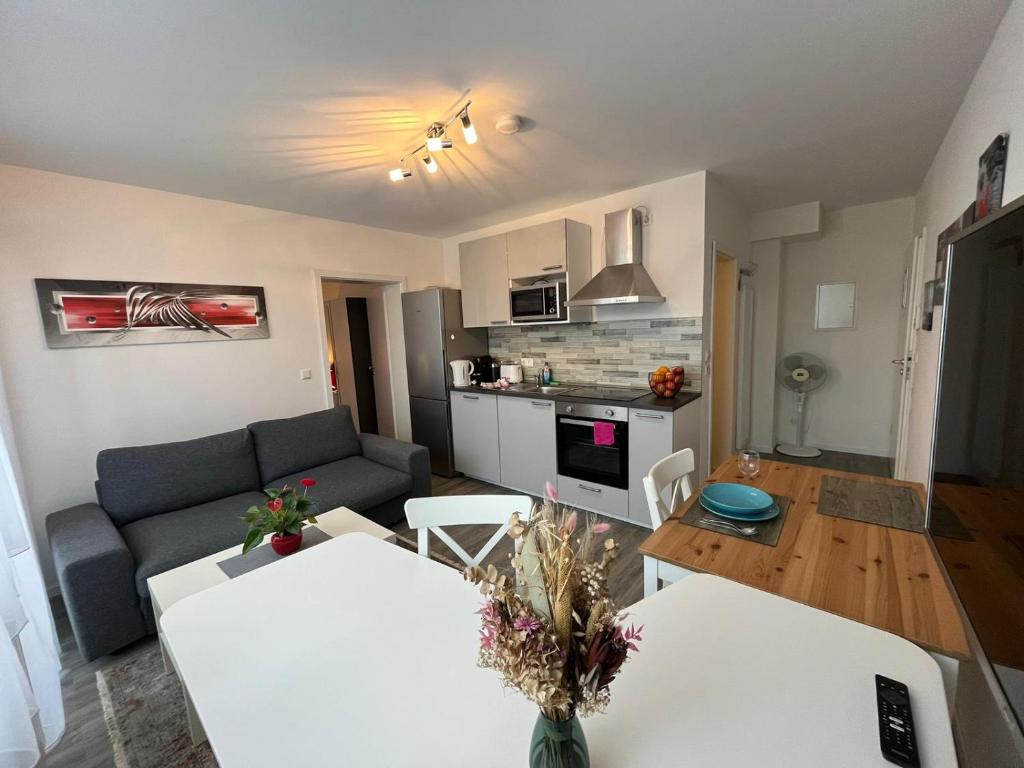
column 558, row 744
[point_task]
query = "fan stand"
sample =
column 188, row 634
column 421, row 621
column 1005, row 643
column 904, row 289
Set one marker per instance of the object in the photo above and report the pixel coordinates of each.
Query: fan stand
column 799, row 449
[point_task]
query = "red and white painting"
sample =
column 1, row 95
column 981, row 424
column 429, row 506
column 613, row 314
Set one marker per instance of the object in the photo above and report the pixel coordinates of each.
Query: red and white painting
column 98, row 313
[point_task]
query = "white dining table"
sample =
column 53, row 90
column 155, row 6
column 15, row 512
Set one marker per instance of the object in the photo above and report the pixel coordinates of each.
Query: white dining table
column 361, row 653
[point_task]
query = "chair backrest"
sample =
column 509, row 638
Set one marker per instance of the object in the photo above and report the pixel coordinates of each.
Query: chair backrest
column 430, row 514
column 674, row 472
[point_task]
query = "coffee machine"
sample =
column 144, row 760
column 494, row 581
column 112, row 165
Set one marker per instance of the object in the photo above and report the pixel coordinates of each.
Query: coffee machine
column 483, row 370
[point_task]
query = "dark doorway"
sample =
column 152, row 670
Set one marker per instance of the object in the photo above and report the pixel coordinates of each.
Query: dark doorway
column 362, row 364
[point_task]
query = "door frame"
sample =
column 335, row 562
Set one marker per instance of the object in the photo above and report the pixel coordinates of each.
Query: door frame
column 707, row 365
column 915, row 288
column 394, row 286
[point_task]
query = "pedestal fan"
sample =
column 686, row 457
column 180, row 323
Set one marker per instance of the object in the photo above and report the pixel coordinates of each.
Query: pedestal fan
column 800, row 373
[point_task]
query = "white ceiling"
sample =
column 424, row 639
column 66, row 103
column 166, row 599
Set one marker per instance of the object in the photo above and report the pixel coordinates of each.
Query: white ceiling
column 303, row 106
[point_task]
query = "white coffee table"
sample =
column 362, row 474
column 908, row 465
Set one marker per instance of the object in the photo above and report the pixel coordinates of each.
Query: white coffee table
column 167, row 588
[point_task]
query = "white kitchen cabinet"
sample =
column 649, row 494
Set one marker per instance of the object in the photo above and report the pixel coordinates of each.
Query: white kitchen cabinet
column 483, row 270
column 475, row 435
column 595, row 497
column 527, row 443
column 653, row 435
column 537, row 251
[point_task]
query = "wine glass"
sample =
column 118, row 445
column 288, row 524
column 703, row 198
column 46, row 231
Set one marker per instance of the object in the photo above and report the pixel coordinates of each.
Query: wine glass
column 749, row 463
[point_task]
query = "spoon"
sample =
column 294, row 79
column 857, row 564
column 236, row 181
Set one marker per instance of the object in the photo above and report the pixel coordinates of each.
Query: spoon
column 746, row 530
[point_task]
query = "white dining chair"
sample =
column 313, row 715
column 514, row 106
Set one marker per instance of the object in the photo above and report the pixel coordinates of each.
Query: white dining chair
column 669, row 478
column 672, row 473
column 428, row 515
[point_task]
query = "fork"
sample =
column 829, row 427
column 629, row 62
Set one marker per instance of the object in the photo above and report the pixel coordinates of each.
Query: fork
column 746, row 530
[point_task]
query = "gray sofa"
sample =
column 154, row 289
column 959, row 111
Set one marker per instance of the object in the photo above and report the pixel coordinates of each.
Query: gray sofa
column 161, row 506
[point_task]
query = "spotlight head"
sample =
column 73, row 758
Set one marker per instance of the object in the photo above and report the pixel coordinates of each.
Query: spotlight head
column 430, row 163
column 468, row 129
column 437, row 143
column 399, row 174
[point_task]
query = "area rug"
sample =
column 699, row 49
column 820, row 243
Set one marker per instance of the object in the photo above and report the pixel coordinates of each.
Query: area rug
column 145, row 713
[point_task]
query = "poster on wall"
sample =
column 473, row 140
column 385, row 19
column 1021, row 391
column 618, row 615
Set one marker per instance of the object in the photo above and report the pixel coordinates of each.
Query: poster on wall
column 101, row 313
column 991, row 173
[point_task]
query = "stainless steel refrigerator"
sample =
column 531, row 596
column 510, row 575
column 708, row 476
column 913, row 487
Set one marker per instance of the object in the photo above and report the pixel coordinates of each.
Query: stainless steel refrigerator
column 433, row 337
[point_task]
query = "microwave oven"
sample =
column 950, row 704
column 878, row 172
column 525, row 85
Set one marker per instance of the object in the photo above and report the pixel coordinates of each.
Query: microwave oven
column 538, row 303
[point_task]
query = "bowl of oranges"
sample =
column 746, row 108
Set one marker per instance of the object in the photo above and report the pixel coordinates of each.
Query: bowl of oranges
column 665, row 382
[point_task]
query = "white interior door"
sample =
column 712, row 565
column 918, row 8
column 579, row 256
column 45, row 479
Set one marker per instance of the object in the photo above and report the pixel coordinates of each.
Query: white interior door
column 911, row 298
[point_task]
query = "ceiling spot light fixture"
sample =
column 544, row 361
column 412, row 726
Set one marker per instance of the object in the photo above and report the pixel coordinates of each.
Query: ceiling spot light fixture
column 468, row 129
column 399, row 174
column 436, row 138
column 436, row 141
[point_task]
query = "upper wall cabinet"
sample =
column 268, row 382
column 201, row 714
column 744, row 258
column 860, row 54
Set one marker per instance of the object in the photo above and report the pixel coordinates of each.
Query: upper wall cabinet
column 555, row 250
column 483, row 268
column 537, row 251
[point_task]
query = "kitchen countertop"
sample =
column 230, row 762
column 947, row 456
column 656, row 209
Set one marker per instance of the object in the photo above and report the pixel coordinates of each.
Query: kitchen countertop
column 649, row 402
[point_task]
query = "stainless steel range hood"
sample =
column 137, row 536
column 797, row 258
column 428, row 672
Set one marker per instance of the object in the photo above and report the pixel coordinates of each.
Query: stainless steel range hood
column 623, row 280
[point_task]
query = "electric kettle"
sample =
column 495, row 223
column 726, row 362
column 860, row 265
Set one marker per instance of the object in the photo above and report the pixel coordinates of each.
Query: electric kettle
column 461, row 369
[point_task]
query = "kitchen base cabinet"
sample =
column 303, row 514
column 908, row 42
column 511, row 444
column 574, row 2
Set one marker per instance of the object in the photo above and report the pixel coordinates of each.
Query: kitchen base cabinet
column 475, row 435
column 527, row 444
column 595, row 497
column 653, row 435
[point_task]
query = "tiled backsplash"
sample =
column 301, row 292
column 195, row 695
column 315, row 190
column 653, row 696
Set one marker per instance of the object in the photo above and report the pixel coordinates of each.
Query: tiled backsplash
column 620, row 352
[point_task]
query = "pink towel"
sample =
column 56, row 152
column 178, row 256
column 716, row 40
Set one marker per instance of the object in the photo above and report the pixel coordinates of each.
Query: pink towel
column 604, row 433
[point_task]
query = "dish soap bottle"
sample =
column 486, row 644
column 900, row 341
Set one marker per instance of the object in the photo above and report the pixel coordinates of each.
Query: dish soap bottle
column 546, row 374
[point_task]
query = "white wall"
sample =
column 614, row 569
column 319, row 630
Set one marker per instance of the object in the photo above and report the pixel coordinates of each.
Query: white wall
column 673, row 248
column 994, row 103
column 766, row 260
column 862, row 244
column 66, row 405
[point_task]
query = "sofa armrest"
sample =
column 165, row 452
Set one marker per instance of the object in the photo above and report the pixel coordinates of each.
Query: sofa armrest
column 97, row 579
column 405, row 457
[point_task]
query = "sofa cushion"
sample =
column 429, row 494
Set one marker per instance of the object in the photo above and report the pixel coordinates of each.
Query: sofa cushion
column 286, row 446
column 355, row 482
column 147, row 480
column 162, row 542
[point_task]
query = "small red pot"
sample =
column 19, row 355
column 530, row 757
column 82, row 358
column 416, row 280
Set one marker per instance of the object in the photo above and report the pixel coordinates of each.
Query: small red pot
column 286, row 545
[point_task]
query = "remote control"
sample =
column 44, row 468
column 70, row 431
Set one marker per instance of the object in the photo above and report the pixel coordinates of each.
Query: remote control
column 895, row 723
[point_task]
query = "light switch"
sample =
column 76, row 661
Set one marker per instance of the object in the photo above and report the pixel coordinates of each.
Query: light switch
column 305, row 374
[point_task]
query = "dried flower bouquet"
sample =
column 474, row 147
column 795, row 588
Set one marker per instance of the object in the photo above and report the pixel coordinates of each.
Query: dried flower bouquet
column 553, row 631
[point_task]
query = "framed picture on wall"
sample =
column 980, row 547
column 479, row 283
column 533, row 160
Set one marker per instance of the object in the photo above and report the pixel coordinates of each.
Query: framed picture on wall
column 991, row 174
column 103, row 313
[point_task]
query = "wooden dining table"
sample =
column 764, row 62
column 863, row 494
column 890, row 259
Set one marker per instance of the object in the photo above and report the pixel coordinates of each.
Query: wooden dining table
column 881, row 576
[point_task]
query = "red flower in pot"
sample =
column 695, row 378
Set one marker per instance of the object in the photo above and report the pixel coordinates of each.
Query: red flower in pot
column 283, row 516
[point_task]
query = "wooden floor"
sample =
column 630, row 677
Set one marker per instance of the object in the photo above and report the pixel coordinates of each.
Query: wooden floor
column 86, row 743
column 879, row 466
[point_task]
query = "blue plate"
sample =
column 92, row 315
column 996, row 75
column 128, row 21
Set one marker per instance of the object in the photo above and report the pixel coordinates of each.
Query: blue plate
column 736, row 499
column 768, row 514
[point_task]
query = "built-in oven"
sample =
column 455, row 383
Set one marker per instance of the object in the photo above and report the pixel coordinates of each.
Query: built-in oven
column 538, row 303
column 593, row 443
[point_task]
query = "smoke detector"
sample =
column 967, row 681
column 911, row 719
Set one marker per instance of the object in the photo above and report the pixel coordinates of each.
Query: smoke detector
column 508, row 124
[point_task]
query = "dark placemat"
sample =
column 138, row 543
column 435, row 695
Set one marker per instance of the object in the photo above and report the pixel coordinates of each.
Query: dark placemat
column 894, row 506
column 767, row 531
column 264, row 554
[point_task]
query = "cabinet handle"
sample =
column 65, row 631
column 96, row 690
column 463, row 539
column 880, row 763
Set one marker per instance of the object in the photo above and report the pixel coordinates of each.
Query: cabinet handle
column 648, row 416
column 541, row 403
column 553, row 267
column 499, row 322
column 471, row 397
column 590, row 488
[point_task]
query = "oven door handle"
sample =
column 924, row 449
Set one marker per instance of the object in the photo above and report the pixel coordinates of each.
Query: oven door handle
column 577, row 422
